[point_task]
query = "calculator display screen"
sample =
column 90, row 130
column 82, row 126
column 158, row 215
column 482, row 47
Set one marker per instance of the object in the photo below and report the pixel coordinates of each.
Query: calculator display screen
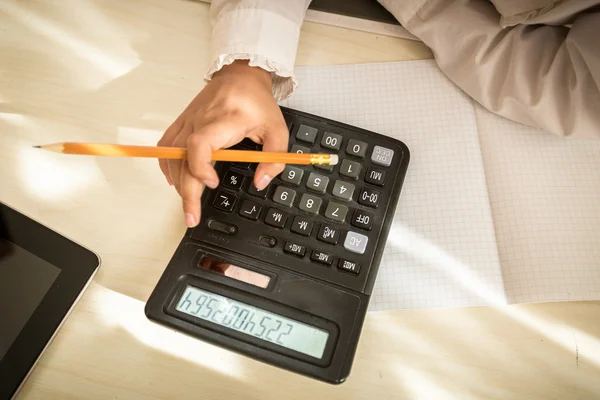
column 253, row 321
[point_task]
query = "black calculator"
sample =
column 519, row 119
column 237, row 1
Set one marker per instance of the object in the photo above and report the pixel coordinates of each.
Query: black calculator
column 285, row 274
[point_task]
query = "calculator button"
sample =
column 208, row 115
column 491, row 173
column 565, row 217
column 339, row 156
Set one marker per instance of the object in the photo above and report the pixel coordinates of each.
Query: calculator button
column 331, row 141
column 292, row 175
column 382, row 156
column 324, row 167
column 233, row 180
column 350, row 169
column 284, row 196
column 362, row 219
column 348, row 266
column 250, row 210
column 329, row 234
column 310, row 203
column 249, row 144
column 224, row 201
column 268, row 241
column 276, row 218
column 299, row 149
column 356, row 242
column 222, row 227
column 375, row 176
column 343, row 190
column 321, row 257
column 356, row 148
column 306, row 134
column 294, row 248
column 317, row 182
column 302, row 226
column 253, row 191
column 369, row 197
column 336, row 212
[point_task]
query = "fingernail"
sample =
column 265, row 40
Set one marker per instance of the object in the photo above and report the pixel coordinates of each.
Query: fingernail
column 211, row 184
column 263, row 182
column 169, row 181
column 190, row 221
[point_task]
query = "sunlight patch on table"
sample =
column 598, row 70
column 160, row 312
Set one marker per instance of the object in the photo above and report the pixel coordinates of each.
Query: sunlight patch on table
column 51, row 176
column 110, row 66
column 411, row 243
column 126, row 312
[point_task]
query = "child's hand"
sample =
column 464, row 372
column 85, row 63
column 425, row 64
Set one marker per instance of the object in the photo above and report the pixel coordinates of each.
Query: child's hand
column 237, row 103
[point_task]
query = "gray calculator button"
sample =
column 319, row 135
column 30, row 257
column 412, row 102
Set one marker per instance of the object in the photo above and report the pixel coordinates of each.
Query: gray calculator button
column 299, row 149
column 317, row 182
column 284, row 196
column 336, row 212
column 324, row 167
column 355, row 242
column 350, row 169
column 310, row 203
column 343, row 190
column 292, row 175
column 331, row 141
column 306, row 134
column 356, row 148
column 382, row 156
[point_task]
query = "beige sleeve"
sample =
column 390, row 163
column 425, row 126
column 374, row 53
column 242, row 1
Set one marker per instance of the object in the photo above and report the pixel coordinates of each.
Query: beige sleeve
column 541, row 75
column 265, row 32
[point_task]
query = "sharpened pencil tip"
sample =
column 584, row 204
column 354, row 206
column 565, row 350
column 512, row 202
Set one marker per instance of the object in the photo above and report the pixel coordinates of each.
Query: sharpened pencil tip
column 37, row 147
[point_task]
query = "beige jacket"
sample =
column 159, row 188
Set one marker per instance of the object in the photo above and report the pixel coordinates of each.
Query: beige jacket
column 533, row 61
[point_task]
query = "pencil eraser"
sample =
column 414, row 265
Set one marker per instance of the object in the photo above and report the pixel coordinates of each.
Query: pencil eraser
column 333, row 159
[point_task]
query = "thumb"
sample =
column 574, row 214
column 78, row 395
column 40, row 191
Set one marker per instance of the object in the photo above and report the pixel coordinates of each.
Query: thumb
column 275, row 139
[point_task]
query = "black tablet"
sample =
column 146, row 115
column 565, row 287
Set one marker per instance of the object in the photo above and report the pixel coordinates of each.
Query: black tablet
column 42, row 275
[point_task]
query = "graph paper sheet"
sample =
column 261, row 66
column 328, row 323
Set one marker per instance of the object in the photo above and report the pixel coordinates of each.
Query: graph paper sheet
column 492, row 212
column 545, row 194
column 442, row 248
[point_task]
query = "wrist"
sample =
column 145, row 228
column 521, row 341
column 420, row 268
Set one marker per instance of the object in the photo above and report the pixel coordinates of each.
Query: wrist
column 241, row 69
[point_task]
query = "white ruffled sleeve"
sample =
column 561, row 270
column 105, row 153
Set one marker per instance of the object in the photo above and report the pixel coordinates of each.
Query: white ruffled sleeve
column 265, row 32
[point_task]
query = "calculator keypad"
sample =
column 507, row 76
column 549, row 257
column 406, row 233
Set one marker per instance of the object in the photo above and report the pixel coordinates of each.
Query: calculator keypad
column 320, row 220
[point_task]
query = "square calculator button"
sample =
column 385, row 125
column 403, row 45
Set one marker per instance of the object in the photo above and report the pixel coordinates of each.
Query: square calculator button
column 284, row 196
column 276, row 218
column 369, row 197
column 294, row 248
column 324, row 167
column 336, row 212
column 350, row 169
column 382, row 156
column 224, row 201
column 242, row 165
column 306, row 134
column 329, row 234
column 233, row 180
column 302, row 226
column 362, row 219
column 348, row 266
column 356, row 242
column 343, row 190
column 317, row 182
column 331, row 141
column 253, row 191
column 310, row 203
column 292, row 175
column 299, row 149
column 375, row 176
column 250, row 210
column 356, row 148
column 321, row 257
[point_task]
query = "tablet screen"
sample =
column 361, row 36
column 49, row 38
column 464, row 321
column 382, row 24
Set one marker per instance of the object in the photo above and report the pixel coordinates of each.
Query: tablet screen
column 24, row 281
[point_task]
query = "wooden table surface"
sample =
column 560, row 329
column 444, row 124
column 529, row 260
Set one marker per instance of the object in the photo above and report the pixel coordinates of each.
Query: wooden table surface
column 121, row 71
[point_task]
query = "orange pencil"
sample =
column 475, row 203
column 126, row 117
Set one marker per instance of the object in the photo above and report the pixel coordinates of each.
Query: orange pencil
column 120, row 150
